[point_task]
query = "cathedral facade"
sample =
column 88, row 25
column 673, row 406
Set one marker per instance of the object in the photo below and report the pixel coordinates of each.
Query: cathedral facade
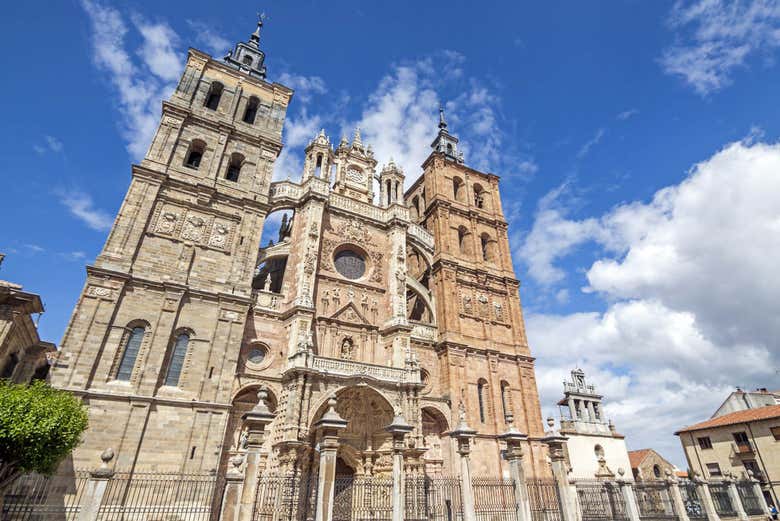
column 393, row 301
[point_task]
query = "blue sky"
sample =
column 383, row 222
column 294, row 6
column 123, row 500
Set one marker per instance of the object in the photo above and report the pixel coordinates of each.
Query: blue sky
column 654, row 274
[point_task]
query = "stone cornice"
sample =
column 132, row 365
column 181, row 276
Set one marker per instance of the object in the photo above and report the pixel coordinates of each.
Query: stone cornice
column 135, row 398
column 465, row 349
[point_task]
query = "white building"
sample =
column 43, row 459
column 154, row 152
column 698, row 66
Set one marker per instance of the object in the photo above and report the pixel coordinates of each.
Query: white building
column 595, row 449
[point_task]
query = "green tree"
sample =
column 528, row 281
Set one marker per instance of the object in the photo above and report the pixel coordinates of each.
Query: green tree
column 39, row 427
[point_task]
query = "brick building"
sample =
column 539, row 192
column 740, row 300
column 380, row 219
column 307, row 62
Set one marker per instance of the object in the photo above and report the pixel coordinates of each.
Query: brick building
column 397, row 303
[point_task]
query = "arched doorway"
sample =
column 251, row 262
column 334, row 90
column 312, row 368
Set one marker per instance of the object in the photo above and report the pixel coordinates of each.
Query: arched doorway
column 243, row 402
column 365, row 448
column 437, row 455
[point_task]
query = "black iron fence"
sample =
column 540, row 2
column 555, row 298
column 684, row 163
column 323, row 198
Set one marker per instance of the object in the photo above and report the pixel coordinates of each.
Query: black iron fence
column 654, row 501
column 750, row 501
column 285, row 497
column 33, row 497
column 154, row 496
column 494, row 499
column 362, row 498
column 601, row 501
column 544, row 499
column 720, row 497
column 690, row 496
column 432, row 498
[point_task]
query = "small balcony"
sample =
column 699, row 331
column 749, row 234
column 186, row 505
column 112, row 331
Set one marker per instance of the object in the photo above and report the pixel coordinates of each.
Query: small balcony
column 353, row 369
column 744, row 447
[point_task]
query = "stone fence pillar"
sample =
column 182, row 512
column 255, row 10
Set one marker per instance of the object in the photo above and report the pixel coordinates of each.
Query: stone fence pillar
column 629, row 498
column 463, row 434
column 234, row 485
column 514, row 440
column 399, row 429
column 758, row 492
column 96, row 488
column 676, row 496
column 703, row 493
column 330, row 425
column 556, row 443
column 736, row 501
column 255, row 422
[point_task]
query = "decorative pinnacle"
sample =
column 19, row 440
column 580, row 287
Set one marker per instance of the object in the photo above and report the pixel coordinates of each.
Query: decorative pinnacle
column 357, row 141
column 442, row 122
column 255, row 37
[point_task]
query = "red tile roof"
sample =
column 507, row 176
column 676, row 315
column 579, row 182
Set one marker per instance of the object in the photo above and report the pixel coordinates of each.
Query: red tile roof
column 748, row 415
column 636, row 456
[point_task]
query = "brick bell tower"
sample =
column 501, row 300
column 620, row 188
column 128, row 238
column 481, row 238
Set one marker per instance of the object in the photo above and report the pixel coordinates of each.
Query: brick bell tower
column 153, row 341
column 483, row 351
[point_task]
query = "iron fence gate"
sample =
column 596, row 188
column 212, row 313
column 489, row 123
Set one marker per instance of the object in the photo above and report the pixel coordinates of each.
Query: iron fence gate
column 750, row 502
column 722, row 500
column 152, row 496
column 362, row 498
column 494, row 499
column 691, row 500
column 545, row 500
column 33, row 497
column 654, row 501
column 285, row 497
column 601, row 501
column 432, row 499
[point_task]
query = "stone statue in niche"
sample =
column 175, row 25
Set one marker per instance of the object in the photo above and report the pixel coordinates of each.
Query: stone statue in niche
column 325, row 300
column 364, row 303
column 374, row 307
column 337, row 297
column 347, row 348
column 467, row 308
column 267, row 284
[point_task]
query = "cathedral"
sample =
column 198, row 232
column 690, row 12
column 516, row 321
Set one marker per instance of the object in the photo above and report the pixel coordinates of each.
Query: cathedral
column 373, row 301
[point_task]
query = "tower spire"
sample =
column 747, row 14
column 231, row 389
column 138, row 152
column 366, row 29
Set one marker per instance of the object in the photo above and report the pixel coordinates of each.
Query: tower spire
column 254, row 38
column 247, row 56
column 442, row 122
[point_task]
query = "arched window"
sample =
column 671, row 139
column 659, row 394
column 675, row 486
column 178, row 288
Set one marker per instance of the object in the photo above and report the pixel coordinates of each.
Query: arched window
column 449, row 148
column 130, row 353
column 214, row 95
column 251, row 110
column 505, row 398
column 234, row 167
column 195, row 154
column 247, row 60
column 462, row 239
column 484, row 240
column 599, row 451
column 481, row 385
column 657, row 471
column 479, row 196
column 176, row 362
column 457, row 188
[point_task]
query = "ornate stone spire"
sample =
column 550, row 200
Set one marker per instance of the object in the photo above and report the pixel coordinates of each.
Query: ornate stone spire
column 247, row 56
column 445, row 142
column 357, row 141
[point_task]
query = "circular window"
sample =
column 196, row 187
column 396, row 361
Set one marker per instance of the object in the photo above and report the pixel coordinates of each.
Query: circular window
column 350, row 264
column 256, row 355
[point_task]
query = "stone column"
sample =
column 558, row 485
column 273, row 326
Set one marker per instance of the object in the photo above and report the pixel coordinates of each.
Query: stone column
column 676, row 496
column 234, row 484
column 514, row 440
column 703, row 493
column 399, row 429
column 758, row 492
column 629, row 498
column 255, row 422
column 96, row 488
column 463, row 434
column 736, row 501
column 330, row 425
column 556, row 444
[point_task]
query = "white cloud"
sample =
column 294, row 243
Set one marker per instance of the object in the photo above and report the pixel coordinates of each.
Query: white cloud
column 205, row 35
column 82, row 207
column 305, row 87
column 50, row 144
column 141, row 84
column 715, row 37
column 627, row 114
column 690, row 278
column 592, row 142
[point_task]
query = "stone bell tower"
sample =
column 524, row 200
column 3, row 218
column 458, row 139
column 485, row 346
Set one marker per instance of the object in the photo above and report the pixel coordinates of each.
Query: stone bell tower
column 153, row 341
column 482, row 351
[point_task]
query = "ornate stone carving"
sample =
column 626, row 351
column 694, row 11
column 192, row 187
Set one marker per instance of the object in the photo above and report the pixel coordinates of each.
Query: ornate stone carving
column 166, row 223
column 99, row 291
column 219, row 235
column 193, row 228
column 347, row 348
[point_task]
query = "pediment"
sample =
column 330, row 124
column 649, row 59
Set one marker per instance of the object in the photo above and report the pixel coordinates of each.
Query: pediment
column 349, row 314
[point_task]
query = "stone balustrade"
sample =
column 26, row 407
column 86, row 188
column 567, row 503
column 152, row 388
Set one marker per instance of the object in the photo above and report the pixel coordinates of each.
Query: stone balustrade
column 422, row 235
column 350, row 368
column 267, row 300
column 425, row 332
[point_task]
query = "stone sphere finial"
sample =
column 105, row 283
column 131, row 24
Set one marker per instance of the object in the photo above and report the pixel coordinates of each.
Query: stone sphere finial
column 106, row 456
column 668, row 473
column 550, row 422
column 621, row 471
